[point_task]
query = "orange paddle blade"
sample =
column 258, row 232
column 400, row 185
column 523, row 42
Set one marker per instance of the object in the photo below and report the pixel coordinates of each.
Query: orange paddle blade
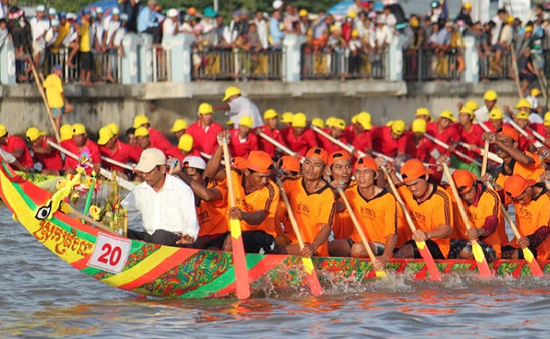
column 312, row 278
column 481, row 262
column 239, row 260
column 533, row 264
column 428, row 258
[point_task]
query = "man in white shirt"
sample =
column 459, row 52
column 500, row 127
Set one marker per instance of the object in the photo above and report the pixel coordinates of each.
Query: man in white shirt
column 170, row 26
column 165, row 203
column 482, row 113
column 239, row 106
column 39, row 27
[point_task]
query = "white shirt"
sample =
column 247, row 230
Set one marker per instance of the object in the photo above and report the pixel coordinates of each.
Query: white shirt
column 7, row 156
column 261, row 26
column 482, row 114
column 534, row 118
column 168, row 28
column 534, row 101
column 38, row 28
column 171, row 209
column 110, row 27
column 3, row 11
column 98, row 31
column 119, row 36
column 241, row 107
column 382, row 34
column 50, row 37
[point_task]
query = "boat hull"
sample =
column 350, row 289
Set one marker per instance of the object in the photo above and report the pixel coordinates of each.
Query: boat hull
column 172, row 272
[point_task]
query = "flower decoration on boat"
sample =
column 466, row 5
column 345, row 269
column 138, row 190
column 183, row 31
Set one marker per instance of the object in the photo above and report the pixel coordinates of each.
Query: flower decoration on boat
column 95, row 212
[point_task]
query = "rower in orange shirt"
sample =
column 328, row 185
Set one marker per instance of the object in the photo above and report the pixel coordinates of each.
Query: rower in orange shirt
column 313, row 205
column 210, row 200
column 158, row 140
column 531, row 201
column 82, row 147
column 299, row 137
column 205, row 130
column 256, row 199
column 242, row 140
column 17, row 147
column 111, row 147
column 429, row 206
column 288, row 167
column 482, row 206
column 270, row 129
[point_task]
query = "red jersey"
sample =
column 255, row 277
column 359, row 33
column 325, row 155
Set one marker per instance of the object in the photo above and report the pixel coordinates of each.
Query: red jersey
column 241, row 148
column 123, row 153
column 329, row 146
column 383, row 142
column 91, row 148
column 300, row 144
column 349, row 133
column 363, row 141
column 52, row 161
column 205, row 140
column 14, row 143
column 449, row 135
column 471, row 137
column 265, row 145
column 423, row 150
column 158, row 140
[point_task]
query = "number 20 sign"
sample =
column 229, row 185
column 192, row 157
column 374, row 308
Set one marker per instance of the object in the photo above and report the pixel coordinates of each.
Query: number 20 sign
column 110, row 253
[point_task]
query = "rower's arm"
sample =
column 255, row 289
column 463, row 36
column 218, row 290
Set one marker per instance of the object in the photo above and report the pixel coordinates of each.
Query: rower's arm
column 222, row 107
column 322, row 236
column 516, row 154
column 213, row 166
column 391, row 241
column 206, row 194
column 441, row 232
column 254, row 218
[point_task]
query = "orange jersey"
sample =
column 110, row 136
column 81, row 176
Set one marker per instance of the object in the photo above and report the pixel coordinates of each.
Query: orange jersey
column 212, row 216
column 311, row 210
column 343, row 227
column 487, row 205
column 265, row 199
column 533, row 171
column 431, row 213
column 532, row 216
column 377, row 216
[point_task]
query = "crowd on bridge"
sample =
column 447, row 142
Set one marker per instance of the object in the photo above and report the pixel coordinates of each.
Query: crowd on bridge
column 350, row 45
column 183, row 197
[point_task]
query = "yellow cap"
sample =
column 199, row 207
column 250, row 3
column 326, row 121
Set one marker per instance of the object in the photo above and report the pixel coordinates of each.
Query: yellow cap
column 287, row 117
column 389, row 123
column 509, row 19
column 3, row 130
column 299, row 120
column 352, row 14
column 528, row 29
column 318, row 122
column 523, row 115
column 354, row 118
column 231, row 91
column 496, row 114
column 354, row 33
column 547, row 119
column 535, row 92
column 467, row 110
column 419, row 126
column 472, row 104
column 114, row 127
column 414, row 22
column 33, row 133
column 79, row 129
column 447, row 114
column 141, row 132
column 246, row 121
column 335, row 28
column 365, row 120
column 205, row 108
column 398, row 127
column 229, row 123
column 330, row 121
column 66, row 132
column 185, row 143
column 339, row 123
column 303, row 12
column 468, row 5
column 423, row 111
column 270, row 114
column 179, row 125
column 140, row 120
column 490, row 96
column 523, row 103
column 105, row 134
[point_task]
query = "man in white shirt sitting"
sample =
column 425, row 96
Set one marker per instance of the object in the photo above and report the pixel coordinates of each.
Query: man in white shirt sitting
column 165, row 203
column 239, row 106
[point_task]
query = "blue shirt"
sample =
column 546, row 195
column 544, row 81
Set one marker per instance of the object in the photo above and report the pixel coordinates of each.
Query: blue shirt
column 148, row 18
column 276, row 33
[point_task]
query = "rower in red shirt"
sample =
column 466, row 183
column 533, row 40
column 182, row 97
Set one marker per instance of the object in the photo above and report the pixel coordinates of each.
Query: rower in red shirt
column 242, row 140
column 179, row 128
column 82, row 147
column 158, row 140
column 205, row 130
column 336, row 130
column 422, row 148
column 392, row 140
column 362, row 140
column 443, row 130
column 269, row 128
column 16, row 146
column 525, row 143
column 66, row 134
column 299, row 138
column 469, row 132
column 496, row 120
column 144, row 141
column 424, row 114
column 349, row 132
column 111, row 147
column 185, row 147
column 49, row 157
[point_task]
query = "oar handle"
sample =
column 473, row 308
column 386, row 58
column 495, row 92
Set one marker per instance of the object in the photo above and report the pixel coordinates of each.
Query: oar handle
column 89, row 220
column 446, row 146
column 277, row 144
column 524, row 133
column 536, row 134
column 485, row 158
column 461, row 209
column 291, row 216
column 227, row 161
column 117, row 163
column 399, row 199
column 507, row 217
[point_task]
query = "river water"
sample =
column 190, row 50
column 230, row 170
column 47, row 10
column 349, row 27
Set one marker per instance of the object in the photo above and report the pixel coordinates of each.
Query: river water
column 42, row 296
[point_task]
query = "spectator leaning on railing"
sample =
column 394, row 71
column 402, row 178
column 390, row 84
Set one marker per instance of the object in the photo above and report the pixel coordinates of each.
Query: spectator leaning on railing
column 149, row 20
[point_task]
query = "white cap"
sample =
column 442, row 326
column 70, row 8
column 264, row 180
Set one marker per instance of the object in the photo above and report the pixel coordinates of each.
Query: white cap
column 55, row 23
column 149, row 159
column 99, row 10
column 40, row 8
column 115, row 11
column 172, row 13
column 277, row 4
column 194, row 162
column 71, row 16
column 124, row 17
column 52, row 11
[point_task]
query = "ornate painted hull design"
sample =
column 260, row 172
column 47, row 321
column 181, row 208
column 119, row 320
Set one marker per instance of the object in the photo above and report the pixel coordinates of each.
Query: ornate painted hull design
column 188, row 273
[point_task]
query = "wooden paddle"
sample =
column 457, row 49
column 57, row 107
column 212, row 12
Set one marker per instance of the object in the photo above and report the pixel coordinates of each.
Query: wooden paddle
column 117, row 163
column 485, row 158
column 311, row 274
column 524, row 133
column 422, row 247
column 278, row 145
column 515, row 69
column 96, row 224
column 459, row 153
column 362, row 234
column 479, row 255
column 239, row 258
column 492, row 156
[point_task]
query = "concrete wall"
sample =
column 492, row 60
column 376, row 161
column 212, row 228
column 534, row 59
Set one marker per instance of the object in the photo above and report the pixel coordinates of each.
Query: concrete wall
column 21, row 106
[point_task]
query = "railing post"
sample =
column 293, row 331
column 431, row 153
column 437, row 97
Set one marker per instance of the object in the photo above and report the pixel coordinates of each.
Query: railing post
column 146, row 58
column 471, row 60
column 394, row 70
column 130, row 61
column 178, row 47
column 292, row 55
column 7, row 64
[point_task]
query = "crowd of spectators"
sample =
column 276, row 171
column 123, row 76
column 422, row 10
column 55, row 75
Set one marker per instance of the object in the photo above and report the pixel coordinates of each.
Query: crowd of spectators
column 356, row 42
